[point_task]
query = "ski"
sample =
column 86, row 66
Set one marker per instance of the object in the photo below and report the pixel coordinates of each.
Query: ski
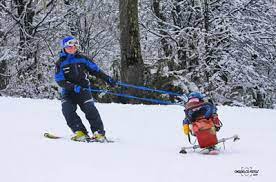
column 210, row 151
column 53, row 136
column 194, row 147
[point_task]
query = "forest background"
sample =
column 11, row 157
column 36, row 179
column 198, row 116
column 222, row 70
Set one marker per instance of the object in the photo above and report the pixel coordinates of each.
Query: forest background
column 226, row 49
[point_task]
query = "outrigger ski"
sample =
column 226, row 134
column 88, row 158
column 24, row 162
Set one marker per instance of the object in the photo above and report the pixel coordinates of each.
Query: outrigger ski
column 52, row 136
column 194, row 147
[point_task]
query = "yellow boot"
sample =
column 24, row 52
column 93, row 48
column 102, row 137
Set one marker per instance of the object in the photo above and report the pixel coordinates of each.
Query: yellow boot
column 97, row 137
column 80, row 136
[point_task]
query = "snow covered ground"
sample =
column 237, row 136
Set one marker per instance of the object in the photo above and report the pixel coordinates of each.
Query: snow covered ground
column 149, row 139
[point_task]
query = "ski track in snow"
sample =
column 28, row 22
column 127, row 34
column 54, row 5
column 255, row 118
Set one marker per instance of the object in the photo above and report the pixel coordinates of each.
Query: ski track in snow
column 149, row 139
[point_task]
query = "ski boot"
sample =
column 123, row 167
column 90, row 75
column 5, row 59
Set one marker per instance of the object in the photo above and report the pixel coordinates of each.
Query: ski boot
column 80, row 136
column 98, row 137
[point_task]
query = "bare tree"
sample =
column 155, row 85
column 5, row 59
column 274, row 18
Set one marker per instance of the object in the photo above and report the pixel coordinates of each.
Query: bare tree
column 26, row 25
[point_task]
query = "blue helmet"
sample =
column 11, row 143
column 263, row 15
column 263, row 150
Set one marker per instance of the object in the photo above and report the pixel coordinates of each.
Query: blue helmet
column 196, row 95
column 69, row 41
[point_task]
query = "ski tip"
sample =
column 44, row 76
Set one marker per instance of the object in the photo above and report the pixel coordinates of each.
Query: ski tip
column 46, row 134
column 183, row 151
column 236, row 137
column 51, row 136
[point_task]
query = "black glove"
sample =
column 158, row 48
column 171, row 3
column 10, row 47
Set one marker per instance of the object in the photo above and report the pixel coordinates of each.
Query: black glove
column 217, row 128
column 111, row 82
column 106, row 78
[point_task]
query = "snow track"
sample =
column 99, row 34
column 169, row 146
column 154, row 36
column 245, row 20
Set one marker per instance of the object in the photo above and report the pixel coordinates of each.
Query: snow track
column 150, row 138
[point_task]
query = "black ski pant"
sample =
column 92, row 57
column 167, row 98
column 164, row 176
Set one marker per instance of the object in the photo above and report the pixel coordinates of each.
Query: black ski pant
column 85, row 101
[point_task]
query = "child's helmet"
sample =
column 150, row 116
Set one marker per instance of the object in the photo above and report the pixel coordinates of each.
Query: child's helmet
column 69, row 41
column 198, row 95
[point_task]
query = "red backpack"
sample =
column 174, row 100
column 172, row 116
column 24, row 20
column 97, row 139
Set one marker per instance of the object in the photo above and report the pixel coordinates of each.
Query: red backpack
column 205, row 132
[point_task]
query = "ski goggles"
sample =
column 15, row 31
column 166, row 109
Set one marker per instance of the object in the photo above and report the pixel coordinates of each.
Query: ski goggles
column 71, row 43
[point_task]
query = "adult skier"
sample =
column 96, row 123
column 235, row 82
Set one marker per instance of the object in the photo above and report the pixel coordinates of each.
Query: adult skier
column 71, row 75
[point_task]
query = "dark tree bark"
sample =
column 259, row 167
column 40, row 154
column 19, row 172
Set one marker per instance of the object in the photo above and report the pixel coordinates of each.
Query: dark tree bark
column 132, row 65
column 3, row 63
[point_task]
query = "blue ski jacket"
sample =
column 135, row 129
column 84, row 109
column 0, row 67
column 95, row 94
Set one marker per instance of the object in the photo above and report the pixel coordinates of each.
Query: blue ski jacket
column 73, row 69
column 201, row 109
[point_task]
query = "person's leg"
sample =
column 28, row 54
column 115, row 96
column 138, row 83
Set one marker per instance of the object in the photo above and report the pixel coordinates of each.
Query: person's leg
column 93, row 116
column 91, row 113
column 69, row 112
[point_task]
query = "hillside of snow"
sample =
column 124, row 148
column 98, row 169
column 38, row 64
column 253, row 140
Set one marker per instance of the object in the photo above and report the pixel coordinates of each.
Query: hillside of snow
column 148, row 139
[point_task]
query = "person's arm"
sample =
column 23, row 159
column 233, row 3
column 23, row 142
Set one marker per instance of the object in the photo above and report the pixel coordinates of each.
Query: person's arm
column 186, row 121
column 60, row 78
column 186, row 128
column 209, row 110
column 96, row 71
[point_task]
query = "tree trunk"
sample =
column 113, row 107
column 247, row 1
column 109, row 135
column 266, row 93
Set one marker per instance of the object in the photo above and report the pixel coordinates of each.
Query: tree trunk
column 132, row 65
column 3, row 63
column 24, row 9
